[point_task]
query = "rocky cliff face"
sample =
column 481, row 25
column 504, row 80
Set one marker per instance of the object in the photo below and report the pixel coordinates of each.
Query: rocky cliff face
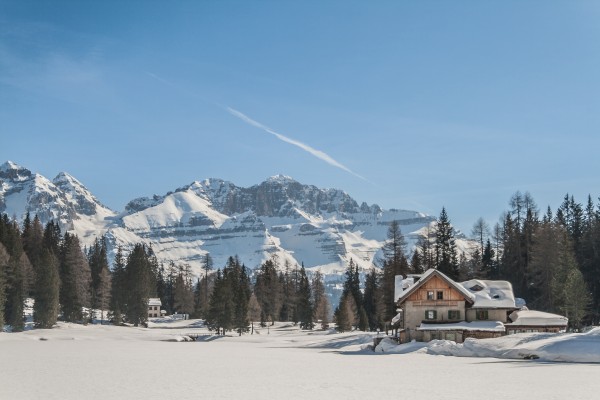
column 322, row 228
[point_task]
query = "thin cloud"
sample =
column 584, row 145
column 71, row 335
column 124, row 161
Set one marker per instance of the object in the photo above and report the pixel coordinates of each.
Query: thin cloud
column 317, row 153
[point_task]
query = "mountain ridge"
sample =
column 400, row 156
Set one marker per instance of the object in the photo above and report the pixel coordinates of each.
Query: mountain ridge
column 298, row 223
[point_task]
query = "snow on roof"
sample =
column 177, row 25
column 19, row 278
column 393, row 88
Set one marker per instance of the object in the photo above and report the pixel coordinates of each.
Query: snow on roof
column 536, row 318
column 428, row 274
column 154, row 301
column 490, row 326
column 490, row 294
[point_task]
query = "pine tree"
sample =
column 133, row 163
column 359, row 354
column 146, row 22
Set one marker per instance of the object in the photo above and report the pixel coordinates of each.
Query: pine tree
column 221, row 309
column 240, row 283
column 320, row 300
column 46, row 306
column 207, row 266
column 394, row 263
column 268, row 291
column 140, row 284
column 198, row 295
column 4, row 258
column 103, row 292
column 372, row 301
column 304, row 305
column 445, row 247
column 75, row 279
column 100, row 276
column 118, row 299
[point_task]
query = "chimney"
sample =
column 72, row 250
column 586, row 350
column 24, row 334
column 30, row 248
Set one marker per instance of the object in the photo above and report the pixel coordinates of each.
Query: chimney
column 397, row 287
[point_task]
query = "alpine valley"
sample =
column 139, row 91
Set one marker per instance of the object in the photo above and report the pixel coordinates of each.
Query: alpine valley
column 321, row 228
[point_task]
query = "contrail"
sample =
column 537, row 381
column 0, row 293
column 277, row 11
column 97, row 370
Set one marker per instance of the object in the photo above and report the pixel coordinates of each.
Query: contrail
column 317, row 153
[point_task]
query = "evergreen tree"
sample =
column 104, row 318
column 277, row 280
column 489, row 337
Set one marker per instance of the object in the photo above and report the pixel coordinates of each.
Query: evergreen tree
column 220, row 312
column 100, row 276
column 445, row 247
column 416, row 262
column 372, row 301
column 394, row 263
column 4, row 258
column 118, row 301
column 268, row 291
column 304, row 305
column 207, row 266
column 198, row 295
column 46, row 306
column 75, row 279
column 488, row 264
column 140, row 284
column 15, row 274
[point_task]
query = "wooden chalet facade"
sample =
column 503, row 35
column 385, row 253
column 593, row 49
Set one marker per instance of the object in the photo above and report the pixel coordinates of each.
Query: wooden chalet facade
column 436, row 307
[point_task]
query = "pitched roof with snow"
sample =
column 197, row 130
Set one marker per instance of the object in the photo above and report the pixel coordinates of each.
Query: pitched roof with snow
column 490, row 294
column 426, row 276
column 154, row 301
column 536, row 318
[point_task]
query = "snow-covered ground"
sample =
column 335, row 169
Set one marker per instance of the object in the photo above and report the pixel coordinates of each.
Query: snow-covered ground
column 107, row 362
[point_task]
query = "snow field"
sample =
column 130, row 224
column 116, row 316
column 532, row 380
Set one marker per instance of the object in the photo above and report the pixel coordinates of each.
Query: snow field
column 107, row 362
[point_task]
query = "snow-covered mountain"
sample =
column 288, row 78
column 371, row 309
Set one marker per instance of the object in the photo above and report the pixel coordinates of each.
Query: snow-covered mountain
column 64, row 199
column 322, row 228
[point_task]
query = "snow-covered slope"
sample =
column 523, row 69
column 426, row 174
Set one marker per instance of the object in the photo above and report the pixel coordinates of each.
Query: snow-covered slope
column 322, row 228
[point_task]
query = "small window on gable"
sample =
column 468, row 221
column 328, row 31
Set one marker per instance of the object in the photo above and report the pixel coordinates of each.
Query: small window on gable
column 440, row 295
column 430, row 295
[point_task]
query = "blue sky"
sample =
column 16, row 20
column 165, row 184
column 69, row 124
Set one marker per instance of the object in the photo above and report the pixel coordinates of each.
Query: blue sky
column 417, row 104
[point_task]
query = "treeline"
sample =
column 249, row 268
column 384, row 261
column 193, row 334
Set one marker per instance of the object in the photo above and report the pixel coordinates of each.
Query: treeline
column 273, row 293
column 552, row 259
column 68, row 281
column 78, row 285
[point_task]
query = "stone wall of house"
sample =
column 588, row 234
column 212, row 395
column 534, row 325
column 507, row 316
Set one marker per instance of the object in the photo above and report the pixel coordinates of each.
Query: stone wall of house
column 492, row 315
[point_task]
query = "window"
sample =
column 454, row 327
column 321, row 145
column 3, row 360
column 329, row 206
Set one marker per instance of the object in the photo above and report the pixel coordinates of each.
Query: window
column 430, row 295
column 453, row 314
column 481, row 315
column 440, row 295
column 430, row 315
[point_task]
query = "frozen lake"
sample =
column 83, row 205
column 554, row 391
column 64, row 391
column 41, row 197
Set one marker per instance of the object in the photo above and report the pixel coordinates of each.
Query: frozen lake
column 105, row 362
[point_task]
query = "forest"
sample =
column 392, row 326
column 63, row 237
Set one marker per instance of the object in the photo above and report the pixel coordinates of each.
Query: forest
column 551, row 259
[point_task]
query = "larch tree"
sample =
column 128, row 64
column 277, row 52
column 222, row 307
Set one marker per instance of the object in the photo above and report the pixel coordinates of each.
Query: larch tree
column 254, row 311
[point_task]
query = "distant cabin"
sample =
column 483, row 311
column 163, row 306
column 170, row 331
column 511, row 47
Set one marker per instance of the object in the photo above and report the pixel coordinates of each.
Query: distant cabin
column 433, row 306
column 154, row 305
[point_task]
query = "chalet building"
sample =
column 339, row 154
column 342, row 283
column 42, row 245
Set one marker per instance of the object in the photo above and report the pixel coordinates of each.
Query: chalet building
column 433, row 306
column 154, row 310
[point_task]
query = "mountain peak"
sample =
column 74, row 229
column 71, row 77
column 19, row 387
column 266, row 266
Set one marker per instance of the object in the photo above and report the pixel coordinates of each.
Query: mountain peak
column 280, row 179
column 14, row 172
column 66, row 178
